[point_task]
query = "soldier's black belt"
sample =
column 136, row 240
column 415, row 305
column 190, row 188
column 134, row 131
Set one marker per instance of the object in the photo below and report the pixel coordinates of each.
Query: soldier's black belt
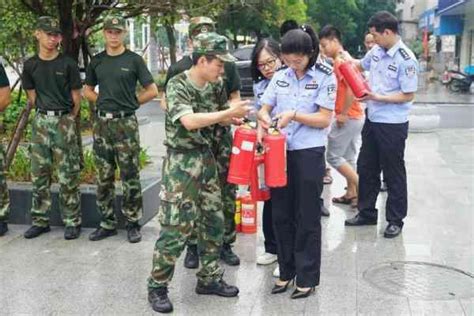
column 53, row 112
column 113, row 115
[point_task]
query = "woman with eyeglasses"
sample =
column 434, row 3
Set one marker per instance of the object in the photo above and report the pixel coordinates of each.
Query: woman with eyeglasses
column 302, row 98
column 265, row 63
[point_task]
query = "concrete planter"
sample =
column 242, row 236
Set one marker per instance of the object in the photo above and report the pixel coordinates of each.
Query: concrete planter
column 20, row 203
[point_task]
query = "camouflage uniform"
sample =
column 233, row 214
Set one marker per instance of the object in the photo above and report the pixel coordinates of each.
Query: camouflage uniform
column 191, row 190
column 54, row 133
column 222, row 144
column 222, row 147
column 117, row 144
column 54, row 141
column 4, row 200
column 116, row 134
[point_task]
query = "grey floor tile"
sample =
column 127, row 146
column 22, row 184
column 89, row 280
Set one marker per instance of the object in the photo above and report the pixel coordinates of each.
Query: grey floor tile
column 435, row 307
column 468, row 306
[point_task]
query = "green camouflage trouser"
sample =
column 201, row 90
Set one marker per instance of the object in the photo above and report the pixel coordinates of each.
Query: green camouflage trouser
column 222, row 150
column 4, row 201
column 190, row 197
column 54, row 141
column 117, row 143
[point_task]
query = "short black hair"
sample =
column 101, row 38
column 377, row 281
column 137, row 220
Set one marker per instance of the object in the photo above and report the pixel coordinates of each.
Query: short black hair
column 287, row 26
column 271, row 46
column 383, row 20
column 196, row 56
column 330, row 32
column 301, row 41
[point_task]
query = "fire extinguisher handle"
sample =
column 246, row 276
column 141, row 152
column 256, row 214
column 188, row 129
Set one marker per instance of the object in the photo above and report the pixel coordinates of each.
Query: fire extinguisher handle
column 274, row 123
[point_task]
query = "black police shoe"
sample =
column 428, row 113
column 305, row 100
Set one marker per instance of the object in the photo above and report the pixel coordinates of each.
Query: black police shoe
column 228, row 256
column 159, row 300
column 133, row 233
column 392, row 231
column 217, row 288
column 359, row 220
column 3, row 228
column 191, row 260
column 34, row 231
column 102, row 233
column 72, row 232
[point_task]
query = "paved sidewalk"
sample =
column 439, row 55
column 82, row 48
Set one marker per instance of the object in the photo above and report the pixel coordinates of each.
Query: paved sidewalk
column 436, row 93
column 51, row 276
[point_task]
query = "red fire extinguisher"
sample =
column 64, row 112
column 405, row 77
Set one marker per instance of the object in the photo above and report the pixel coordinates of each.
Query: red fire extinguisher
column 354, row 79
column 238, row 214
column 275, row 157
column 241, row 158
column 258, row 188
column 249, row 214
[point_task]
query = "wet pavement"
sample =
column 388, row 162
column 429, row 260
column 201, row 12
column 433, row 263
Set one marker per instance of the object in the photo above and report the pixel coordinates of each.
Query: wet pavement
column 51, row 276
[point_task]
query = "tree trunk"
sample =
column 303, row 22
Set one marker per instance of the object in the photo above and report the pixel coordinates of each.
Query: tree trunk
column 172, row 40
column 15, row 141
column 71, row 39
column 153, row 47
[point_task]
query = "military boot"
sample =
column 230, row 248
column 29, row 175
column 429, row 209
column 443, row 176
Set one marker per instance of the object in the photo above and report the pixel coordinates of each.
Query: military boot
column 3, row 228
column 228, row 256
column 191, row 260
column 34, row 231
column 133, row 233
column 159, row 300
column 219, row 288
column 102, row 233
column 72, row 232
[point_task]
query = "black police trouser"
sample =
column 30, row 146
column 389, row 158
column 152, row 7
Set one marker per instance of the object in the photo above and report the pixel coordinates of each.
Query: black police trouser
column 267, row 224
column 297, row 217
column 383, row 149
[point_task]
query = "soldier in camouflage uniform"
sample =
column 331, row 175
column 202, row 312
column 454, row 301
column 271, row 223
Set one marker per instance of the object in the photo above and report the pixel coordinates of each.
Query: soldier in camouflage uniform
column 191, row 189
column 116, row 139
column 4, row 201
column 221, row 148
column 53, row 85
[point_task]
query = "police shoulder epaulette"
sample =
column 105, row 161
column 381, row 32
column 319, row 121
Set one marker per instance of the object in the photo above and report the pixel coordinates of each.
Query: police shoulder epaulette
column 324, row 68
column 404, row 53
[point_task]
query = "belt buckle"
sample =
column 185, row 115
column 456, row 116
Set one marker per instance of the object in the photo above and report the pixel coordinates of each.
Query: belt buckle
column 109, row 115
column 50, row 113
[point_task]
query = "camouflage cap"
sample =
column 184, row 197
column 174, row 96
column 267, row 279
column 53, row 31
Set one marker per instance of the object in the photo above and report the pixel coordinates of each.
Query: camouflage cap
column 115, row 22
column 212, row 43
column 48, row 24
column 200, row 24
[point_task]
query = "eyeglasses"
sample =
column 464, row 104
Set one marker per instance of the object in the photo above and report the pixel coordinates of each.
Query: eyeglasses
column 269, row 63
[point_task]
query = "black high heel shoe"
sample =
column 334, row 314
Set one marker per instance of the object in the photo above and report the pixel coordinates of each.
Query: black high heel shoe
column 302, row 294
column 277, row 289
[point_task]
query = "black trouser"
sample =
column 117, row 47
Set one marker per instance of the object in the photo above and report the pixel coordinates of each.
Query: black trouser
column 383, row 148
column 268, row 234
column 297, row 217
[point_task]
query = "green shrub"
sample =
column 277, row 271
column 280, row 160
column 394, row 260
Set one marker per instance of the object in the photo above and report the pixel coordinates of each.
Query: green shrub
column 20, row 169
column 10, row 116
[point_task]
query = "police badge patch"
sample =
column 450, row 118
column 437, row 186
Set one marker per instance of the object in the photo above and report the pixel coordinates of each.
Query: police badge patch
column 410, row 71
column 332, row 91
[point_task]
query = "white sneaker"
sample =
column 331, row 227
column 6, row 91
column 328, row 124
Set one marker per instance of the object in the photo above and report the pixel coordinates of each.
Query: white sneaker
column 266, row 258
column 276, row 272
